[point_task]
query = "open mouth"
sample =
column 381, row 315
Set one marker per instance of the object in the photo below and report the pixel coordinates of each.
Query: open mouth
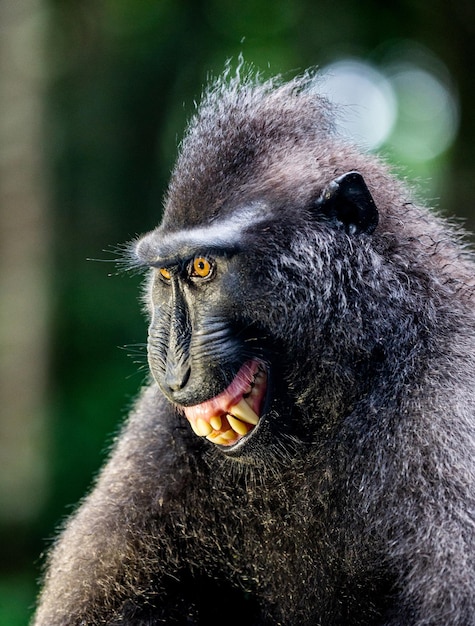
column 234, row 413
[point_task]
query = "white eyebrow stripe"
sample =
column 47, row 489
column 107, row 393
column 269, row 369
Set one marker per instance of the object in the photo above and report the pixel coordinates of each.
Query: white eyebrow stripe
column 158, row 247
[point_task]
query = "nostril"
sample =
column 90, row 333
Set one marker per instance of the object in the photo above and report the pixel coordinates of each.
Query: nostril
column 177, row 376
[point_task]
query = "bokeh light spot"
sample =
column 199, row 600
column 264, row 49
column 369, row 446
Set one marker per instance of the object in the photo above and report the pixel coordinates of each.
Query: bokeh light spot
column 365, row 101
column 407, row 107
column 428, row 115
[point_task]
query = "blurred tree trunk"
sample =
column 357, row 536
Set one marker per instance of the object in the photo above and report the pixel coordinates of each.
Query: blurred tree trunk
column 24, row 243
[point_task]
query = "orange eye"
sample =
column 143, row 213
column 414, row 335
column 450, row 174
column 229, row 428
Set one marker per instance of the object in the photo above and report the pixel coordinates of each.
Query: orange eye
column 164, row 273
column 201, row 267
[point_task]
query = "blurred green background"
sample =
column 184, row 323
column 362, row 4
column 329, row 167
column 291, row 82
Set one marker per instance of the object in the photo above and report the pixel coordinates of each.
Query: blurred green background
column 94, row 96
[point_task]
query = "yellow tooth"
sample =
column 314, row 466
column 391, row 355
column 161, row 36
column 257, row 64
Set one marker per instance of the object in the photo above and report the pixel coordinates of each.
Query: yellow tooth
column 194, row 427
column 219, row 440
column 244, row 412
column 203, row 427
column 216, row 422
column 239, row 427
column 213, row 435
column 229, row 434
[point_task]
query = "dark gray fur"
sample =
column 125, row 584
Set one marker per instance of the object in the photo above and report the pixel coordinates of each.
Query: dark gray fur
column 360, row 508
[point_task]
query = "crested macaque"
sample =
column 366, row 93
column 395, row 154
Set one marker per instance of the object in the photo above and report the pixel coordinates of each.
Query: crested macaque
column 304, row 453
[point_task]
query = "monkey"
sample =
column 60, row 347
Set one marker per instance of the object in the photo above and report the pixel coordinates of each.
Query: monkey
column 304, row 450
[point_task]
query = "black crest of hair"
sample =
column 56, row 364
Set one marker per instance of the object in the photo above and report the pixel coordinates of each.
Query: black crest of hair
column 287, row 256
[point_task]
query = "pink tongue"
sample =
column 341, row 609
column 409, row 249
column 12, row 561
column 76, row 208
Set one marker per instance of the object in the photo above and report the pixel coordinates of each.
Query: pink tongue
column 228, row 398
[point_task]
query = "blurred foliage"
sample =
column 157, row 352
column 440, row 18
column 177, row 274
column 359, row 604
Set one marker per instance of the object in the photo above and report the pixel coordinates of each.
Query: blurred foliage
column 123, row 75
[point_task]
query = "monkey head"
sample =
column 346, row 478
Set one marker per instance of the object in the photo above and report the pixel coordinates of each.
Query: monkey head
column 244, row 267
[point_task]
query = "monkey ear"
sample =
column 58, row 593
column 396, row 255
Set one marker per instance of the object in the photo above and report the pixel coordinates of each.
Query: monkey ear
column 347, row 201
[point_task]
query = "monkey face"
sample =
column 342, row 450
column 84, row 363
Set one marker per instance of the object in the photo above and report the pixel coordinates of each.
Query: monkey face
column 218, row 343
column 206, row 353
